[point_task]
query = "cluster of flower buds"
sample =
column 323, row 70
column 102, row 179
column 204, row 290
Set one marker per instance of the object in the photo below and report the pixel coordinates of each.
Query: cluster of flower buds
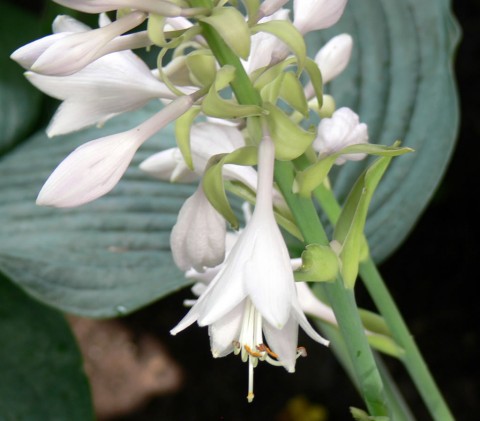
column 249, row 290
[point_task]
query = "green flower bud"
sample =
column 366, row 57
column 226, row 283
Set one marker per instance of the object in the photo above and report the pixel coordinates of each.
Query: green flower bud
column 319, row 264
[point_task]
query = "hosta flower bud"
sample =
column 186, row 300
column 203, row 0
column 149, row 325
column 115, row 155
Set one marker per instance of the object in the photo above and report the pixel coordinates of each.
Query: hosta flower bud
column 334, row 56
column 341, row 130
column 198, row 238
column 311, row 15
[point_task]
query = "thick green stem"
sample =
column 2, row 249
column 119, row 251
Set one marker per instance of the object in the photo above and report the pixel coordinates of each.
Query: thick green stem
column 412, row 358
column 341, row 299
column 377, row 289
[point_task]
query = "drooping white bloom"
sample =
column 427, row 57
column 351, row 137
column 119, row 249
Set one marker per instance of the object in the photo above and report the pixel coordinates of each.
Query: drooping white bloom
column 111, row 85
column 198, row 238
column 312, row 15
column 309, row 303
column 254, row 293
column 66, row 53
column 341, row 130
column 94, row 168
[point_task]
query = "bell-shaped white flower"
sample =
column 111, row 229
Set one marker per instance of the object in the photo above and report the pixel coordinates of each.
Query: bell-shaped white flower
column 93, row 169
column 66, row 53
column 198, row 238
column 254, row 293
column 312, row 15
column 111, row 85
column 341, row 130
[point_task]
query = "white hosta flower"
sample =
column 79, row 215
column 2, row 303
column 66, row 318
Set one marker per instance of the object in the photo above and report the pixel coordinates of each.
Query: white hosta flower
column 309, row 303
column 254, row 294
column 111, row 85
column 93, row 169
column 65, row 53
column 198, row 238
column 312, row 15
column 341, row 130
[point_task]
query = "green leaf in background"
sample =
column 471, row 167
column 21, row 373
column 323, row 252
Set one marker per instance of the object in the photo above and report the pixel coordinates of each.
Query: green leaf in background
column 19, row 101
column 400, row 82
column 42, row 376
column 103, row 259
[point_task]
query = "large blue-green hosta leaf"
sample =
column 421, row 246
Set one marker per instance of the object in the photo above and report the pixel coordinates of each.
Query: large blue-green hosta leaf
column 41, row 368
column 400, row 82
column 102, row 259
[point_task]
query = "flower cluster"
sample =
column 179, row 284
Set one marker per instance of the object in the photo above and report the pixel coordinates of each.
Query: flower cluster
column 251, row 292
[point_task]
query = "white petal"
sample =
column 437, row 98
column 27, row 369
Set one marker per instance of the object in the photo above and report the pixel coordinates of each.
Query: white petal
column 75, row 51
column 265, row 44
column 333, row 57
column 269, row 277
column 225, row 331
column 65, row 23
column 29, row 53
column 168, row 165
column 190, row 318
column 341, row 130
column 311, row 305
column 283, row 342
column 268, row 7
column 89, row 172
column 299, row 316
column 208, row 139
column 94, row 168
column 164, row 8
column 311, row 15
column 224, row 292
column 198, row 238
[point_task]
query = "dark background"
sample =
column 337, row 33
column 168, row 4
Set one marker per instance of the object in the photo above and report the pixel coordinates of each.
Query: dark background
column 432, row 276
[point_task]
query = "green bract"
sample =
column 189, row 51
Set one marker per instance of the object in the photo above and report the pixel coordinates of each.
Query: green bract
column 155, row 29
column 349, row 228
column 285, row 31
column 213, row 181
column 313, row 176
column 290, row 140
column 215, row 106
column 183, row 126
column 231, row 26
